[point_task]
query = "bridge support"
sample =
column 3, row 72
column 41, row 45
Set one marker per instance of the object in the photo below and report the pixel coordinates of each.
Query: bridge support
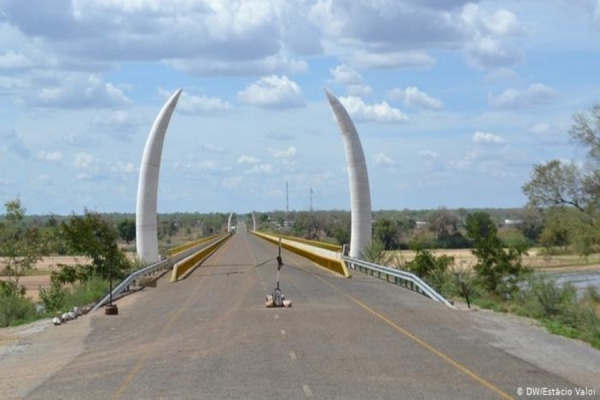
column 145, row 215
column 360, row 194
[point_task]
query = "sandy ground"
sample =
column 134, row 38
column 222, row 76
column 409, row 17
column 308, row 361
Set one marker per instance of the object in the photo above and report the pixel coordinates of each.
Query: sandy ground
column 42, row 273
column 32, row 353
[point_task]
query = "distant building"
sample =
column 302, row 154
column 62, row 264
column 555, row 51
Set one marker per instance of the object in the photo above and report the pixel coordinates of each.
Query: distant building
column 420, row 224
column 513, row 222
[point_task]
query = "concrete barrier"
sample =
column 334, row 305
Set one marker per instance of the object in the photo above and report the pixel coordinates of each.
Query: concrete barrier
column 184, row 267
column 329, row 259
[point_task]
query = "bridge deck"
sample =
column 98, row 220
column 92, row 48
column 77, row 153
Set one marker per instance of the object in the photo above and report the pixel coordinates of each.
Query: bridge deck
column 210, row 337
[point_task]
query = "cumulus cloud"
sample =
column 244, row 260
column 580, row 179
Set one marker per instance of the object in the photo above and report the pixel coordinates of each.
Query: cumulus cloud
column 394, row 60
column 487, row 138
column 535, row 94
column 344, row 75
column 248, row 160
column 123, row 168
column 380, row 112
column 14, row 61
column 75, row 93
column 118, row 124
column 382, row 159
column 212, row 149
column 273, row 92
column 413, row 97
column 287, row 153
column 82, row 160
column 49, row 155
column 260, row 169
column 191, row 105
column 12, row 141
column 428, row 154
column 279, row 136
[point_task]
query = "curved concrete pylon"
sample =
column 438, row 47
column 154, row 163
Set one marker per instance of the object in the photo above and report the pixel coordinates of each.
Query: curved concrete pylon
column 360, row 193
column 253, row 221
column 145, row 214
column 229, row 222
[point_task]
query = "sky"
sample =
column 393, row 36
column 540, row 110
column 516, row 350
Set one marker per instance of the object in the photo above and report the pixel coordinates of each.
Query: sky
column 454, row 101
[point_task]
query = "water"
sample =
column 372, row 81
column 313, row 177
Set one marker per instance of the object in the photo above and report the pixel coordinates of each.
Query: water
column 581, row 280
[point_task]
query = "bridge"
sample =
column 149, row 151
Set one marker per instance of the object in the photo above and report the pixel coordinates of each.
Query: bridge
column 210, row 336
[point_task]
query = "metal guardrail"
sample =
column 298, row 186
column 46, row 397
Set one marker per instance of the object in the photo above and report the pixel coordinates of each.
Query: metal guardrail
column 409, row 278
column 159, row 267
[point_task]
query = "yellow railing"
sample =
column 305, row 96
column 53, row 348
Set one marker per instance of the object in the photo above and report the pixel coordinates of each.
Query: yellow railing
column 315, row 254
column 171, row 252
column 323, row 245
column 187, row 265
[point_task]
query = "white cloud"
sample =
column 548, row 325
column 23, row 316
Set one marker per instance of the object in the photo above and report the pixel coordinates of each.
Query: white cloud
column 116, row 123
column 49, row 155
column 212, row 149
column 381, row 112
column 12, row 60
column 487, row 138
column 382, row 159
column 248, row 160
column 344, row 75
column 413, row 97
column 428, row 154
column 540, row 128
column 82, row 160
column 535, row 94
column 190, row 104
column 287, row 153
column 261, row 169
column 396, row 60
column 273, row 92
column 92, row 92
column 123, row 168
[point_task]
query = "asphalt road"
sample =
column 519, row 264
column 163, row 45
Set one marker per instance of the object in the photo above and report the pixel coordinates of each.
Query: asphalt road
column 211, row 337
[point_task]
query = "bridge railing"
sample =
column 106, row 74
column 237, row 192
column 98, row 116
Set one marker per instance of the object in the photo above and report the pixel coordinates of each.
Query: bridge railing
column 156, row 269
column 402, row 278
column 328, row 259
column 185, row 266
column 153, row 269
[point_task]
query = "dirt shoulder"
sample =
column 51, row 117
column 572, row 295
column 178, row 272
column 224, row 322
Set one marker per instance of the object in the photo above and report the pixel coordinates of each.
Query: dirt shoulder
column 32, row 353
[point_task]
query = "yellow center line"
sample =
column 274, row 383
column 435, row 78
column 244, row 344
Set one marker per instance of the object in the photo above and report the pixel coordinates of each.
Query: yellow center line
column 142, row 360
column 412, row 337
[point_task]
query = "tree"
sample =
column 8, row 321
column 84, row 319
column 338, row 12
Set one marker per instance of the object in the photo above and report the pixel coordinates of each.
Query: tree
column 96, row 238
column 568, row 185
column 386, row 231
column 498, row 269
column 127, row 230
column 20, row 247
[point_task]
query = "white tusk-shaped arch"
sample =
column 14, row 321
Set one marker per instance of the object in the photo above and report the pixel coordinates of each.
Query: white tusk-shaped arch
column 229, row 223
column 253, row 221
column 145, row 214
column 360, row 194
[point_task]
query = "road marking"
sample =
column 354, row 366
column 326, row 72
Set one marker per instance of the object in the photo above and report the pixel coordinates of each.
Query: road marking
column 414, row 338
column 276, row 316
column 307, row 391
column 138, row 366
column 292, row 355
column 283, row 332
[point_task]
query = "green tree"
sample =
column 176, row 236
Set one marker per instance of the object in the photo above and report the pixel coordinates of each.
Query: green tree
column 93, row 236
column 20, row 246
column 568, row 185
column 127, row 230
column 386, row 231
column 498, row 269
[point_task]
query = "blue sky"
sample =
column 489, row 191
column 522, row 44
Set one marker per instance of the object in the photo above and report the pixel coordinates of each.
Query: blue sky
column 454, row 101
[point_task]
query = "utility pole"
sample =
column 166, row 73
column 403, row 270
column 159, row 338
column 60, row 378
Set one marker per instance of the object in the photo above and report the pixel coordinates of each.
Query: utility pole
column 287, row 204
column 311, row 195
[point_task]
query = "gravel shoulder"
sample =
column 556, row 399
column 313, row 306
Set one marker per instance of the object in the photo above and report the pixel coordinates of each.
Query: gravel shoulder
column 32, row 353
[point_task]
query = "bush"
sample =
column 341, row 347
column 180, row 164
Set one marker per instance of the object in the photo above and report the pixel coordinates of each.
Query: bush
column 14, row 306
column 53, row 299
column 433, row 270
